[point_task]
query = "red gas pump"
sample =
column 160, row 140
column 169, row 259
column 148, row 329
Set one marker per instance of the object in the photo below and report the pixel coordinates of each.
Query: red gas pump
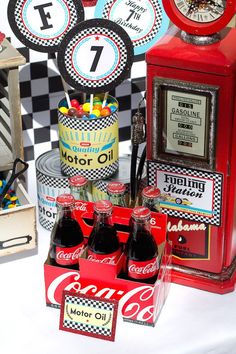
column 191, row 133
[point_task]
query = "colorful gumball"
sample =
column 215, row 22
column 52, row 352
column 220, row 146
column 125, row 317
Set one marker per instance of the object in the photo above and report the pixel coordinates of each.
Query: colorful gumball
column 105, row 111
column 74, row 103
column 63, row 110
column 112, row 108
column 72, row 111
column 97, row 106
column 112, row 103
column 92, row 116
column 86, row 107
column 96, row 112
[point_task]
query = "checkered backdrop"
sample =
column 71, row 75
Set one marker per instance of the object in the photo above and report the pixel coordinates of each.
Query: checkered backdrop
column 41, row 90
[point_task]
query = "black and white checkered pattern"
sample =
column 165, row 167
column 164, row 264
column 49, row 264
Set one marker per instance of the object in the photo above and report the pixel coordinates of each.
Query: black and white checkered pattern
column 218, row 181
column 110, row 78
column 91, row 175
column 36, row 40
column 89, row 302
column 87, row 328
column 52, row 181
column 155, row 28
column 47, row 224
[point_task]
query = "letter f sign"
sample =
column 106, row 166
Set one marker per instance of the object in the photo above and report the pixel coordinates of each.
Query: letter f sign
column 44, row 15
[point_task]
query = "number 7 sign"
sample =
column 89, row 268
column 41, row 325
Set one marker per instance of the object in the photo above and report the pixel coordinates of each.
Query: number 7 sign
column 95, row 56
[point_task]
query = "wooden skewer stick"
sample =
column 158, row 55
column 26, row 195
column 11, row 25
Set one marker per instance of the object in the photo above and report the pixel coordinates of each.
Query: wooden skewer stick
column 105, row 99
column 66, row 92
column 91, row 103
column 64, row 84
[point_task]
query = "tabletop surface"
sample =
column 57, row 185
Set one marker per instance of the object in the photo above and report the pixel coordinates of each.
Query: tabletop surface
column 191, row 322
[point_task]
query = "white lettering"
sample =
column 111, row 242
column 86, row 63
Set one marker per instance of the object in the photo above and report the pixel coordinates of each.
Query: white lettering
column 185, row 227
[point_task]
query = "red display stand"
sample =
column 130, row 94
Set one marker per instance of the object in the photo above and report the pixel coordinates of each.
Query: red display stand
column 207, row 257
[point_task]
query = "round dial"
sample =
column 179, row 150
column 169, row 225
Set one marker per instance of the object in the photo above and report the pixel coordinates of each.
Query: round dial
column 200, row 17
column 201, row 10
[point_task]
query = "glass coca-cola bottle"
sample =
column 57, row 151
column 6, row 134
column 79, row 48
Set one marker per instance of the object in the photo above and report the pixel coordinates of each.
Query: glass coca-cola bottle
column 141, row 252
column 151, row 198
column 67, row 239
column 116, row 193
column 79, row 187
column 103, row 242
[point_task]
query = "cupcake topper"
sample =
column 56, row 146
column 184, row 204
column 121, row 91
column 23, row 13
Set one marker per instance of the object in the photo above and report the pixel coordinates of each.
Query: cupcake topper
column 95, row 56
column 41, row 25
column 144, row 20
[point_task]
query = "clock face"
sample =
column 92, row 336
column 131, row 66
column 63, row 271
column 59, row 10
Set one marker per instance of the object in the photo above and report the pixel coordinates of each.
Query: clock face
column 201, row 11
column 200, row 17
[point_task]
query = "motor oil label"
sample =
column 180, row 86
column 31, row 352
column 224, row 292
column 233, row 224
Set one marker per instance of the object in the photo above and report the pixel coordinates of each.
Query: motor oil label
column 47, row 202
column 89, row 147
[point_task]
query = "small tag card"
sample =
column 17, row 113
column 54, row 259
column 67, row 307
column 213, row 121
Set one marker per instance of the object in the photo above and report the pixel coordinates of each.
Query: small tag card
column 88, row 315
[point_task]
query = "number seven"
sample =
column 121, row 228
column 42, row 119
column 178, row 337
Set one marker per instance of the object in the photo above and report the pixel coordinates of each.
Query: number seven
column 98, row 50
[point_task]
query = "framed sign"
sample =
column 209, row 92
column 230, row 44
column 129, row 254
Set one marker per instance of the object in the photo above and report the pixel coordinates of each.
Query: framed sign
column 184, row 122
column 145, row 21
column 88, row 315
column 41, row 25
column 188, row 193
column 95, row 56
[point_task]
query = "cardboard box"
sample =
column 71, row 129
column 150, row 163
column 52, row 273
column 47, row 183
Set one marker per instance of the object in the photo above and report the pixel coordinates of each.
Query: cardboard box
column 138, row 302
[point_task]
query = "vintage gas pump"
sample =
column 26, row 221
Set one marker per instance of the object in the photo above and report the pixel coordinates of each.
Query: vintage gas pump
column 191, row 140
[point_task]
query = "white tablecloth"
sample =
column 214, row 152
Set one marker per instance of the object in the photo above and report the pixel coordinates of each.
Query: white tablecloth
column 191, row 322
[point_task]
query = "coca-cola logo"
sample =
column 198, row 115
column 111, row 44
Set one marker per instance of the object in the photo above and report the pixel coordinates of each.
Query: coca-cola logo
column 107, row 260
column 66, row 256
column 147, row 269
column 137, row 303
column 81, row 206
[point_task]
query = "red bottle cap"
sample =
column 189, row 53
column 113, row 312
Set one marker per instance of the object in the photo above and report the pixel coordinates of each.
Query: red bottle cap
column 141, row 212
column 78, row 181
column 116, row 188
column 151, row 192
column 103, row 206
column 65, row 199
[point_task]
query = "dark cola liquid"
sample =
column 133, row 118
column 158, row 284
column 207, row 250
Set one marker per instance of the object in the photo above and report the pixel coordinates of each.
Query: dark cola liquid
column 103, row 239
column 140, row 248
column 66, row 233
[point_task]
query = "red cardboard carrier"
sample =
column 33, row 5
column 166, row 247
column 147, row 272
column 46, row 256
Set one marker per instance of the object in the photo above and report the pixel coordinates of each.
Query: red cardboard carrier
column 138, row 302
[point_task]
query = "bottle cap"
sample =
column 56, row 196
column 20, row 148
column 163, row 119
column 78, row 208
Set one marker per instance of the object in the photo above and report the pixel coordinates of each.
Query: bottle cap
column 141, row 212
column 103, row 206
column 151, row 192
column 116, row 188
column 65, row 200
column 78, row 181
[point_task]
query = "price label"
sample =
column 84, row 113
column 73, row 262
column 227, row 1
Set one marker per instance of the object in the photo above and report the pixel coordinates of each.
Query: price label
column 144, row 20
column 95, row 56
column 41, row 25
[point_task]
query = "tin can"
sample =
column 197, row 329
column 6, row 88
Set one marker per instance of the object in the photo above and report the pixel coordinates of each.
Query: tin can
column 89, row 147
column 50, row 183
column 99, row 188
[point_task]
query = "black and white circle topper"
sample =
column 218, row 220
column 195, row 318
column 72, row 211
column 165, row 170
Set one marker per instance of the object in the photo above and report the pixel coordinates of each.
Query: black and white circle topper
column 145, row 21
column 95, row 56
column 42, row 24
